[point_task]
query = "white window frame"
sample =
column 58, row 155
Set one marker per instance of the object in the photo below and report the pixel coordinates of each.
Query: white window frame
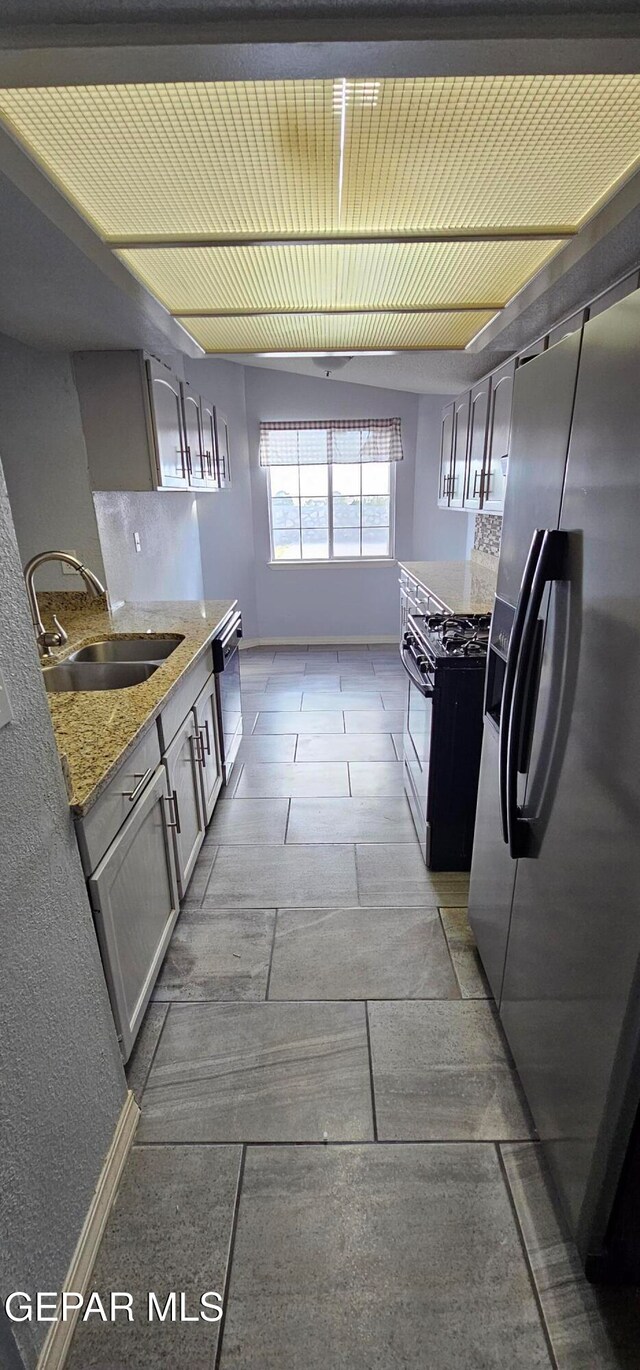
column 332, row 560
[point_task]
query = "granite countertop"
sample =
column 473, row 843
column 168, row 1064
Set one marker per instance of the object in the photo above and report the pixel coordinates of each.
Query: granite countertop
column 463, row 587
column 95, row 730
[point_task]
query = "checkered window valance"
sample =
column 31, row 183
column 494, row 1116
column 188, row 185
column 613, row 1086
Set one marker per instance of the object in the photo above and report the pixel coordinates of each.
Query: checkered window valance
column 322, row 442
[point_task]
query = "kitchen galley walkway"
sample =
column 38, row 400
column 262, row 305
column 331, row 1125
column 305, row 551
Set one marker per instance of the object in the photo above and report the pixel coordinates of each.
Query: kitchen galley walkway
column 333, row 1135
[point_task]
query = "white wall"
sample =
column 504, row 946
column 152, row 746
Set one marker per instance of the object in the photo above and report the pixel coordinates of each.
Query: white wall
column 168, row 565
column 438, row 534
column 61, row 1075
column 225, row 517
column 45, row 460
column 332, row 600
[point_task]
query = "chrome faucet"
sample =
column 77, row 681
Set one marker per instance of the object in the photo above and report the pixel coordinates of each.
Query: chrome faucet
column 47, row 640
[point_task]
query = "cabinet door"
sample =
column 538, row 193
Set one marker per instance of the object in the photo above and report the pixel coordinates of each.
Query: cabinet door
column 134, row 894
column 194, row 443
column 210, row 440
column 446, row 452
column 459, row 452
column 222, row 434
column 209, row 747
column 167, row 423
column 494, row 478
column 478, row 426
column 183, row 764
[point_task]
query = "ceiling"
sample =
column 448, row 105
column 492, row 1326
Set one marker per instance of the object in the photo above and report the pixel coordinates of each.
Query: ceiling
column 391, row 214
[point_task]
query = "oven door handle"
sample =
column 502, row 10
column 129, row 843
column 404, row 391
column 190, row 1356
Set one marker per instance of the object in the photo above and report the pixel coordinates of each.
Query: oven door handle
column 515, row 641
column 413, row 676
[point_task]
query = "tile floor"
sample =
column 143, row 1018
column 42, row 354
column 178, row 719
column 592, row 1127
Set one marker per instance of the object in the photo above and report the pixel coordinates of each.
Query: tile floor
column 332, row 1134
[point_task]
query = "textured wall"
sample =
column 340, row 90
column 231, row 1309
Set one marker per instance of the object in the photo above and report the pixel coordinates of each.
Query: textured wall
column 61, row 1080
column 168, row 565
column 438, row 534
column 226, row 525
column 487, row 534
column 45, row 460
column 319, row 601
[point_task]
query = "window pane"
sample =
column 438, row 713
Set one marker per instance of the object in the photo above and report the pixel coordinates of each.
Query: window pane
column 375, row 478
column 346, row 480
column 283, row 480
column 285, row 513
column 314, row 480
column 346, row 512
column 346, row 542
column 315, row 543
column 375, row 511
column 375, row 542
column 286, row 544
column 315, row 513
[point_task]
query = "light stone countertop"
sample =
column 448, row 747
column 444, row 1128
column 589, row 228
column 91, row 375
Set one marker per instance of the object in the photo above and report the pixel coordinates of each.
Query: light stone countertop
column 463, row 587
column 95, row 730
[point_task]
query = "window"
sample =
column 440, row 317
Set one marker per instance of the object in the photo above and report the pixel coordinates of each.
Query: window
column 327, row 500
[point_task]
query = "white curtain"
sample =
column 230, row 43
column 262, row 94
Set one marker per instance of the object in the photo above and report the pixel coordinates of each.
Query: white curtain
column 321, row 442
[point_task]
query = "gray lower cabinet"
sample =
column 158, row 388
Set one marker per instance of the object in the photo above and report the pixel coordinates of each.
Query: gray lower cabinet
column 182, row 760
column 210, row 752
column 134, row 894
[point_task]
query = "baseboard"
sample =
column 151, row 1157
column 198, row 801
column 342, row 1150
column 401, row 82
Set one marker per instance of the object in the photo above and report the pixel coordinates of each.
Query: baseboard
column 376, row 640
column 58, row 1340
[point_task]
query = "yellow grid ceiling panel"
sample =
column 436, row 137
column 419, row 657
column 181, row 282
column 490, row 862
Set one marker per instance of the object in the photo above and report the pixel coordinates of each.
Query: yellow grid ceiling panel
column 338, row 276
column 351, row 332
column 314, row 157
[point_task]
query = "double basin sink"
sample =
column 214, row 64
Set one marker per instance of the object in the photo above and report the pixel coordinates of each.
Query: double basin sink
column 115, row 664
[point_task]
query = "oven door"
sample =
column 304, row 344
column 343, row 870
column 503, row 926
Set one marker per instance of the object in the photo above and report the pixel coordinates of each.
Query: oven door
column 417, row 732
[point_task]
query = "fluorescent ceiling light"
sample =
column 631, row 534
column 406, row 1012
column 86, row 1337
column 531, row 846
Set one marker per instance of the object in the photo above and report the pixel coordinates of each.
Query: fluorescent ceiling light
column 373, row 352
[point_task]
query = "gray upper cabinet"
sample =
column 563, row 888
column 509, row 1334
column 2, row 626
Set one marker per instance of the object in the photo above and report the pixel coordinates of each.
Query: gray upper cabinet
column 570, row 325
column 615, row 293
column 182, row 760
column 446, row 451
column 494, row 477
column 134, row 895
column 478, row 425
column 459, row 451
column 144, row 428
column 223, row 445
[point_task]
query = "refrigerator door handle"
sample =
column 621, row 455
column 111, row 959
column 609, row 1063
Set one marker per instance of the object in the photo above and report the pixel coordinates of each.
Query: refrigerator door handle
column 550, row 565
column 510, row 674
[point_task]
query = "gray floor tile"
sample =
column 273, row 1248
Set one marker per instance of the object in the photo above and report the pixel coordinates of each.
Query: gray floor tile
column 587, row 1327
column 466, row 962
column 202, row 870
column 276, row 701
column 396, row 875
column 339, row 699
column 256, row 750
column 355, row 747
column 394, row 700
column 169, row 1229
column 355, row 682
column 441, row 1072
column 350, row 820
column 298, row 778
column 350, row 1258
column 255, row 822
column 260, row 1072
column 218, row 954
column 320, row 684
column 284, row 877
column 299, row 723
column 376, row 778
column 374, row 721
column 360, row 954
column 139, row 1063
column 398, row 742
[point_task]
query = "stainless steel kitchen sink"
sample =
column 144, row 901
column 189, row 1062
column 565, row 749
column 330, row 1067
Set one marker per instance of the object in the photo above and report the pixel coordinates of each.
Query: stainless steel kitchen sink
column 128, row 649
column 92, row 675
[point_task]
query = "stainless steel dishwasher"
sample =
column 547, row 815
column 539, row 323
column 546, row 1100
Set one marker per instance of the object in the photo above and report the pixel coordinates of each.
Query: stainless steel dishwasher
column 226, row 664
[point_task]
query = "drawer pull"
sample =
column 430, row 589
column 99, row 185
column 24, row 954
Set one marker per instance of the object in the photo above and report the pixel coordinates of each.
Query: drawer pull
column 132, row 795
column 173, row 800
column 208, row 739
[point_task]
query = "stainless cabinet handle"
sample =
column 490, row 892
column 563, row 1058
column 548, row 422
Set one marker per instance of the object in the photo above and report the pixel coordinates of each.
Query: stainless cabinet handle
column 188, row 456
column 132, row 795
column 208, row 739
column 195, row 743
column 476, row 478
column 173, row 800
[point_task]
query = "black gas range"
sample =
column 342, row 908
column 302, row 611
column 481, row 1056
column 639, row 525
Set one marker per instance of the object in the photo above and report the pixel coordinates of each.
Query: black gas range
column 444, row 657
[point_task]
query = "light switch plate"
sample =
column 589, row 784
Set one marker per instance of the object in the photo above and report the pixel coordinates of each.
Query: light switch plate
column 5, row 704
column 136, row 542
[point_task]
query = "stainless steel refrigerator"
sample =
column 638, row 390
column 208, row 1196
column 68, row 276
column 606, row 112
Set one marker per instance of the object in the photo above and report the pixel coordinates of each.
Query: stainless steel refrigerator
column 555, row 879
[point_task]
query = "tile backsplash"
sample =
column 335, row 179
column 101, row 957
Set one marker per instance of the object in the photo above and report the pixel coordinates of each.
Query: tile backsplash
column 487, row 534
